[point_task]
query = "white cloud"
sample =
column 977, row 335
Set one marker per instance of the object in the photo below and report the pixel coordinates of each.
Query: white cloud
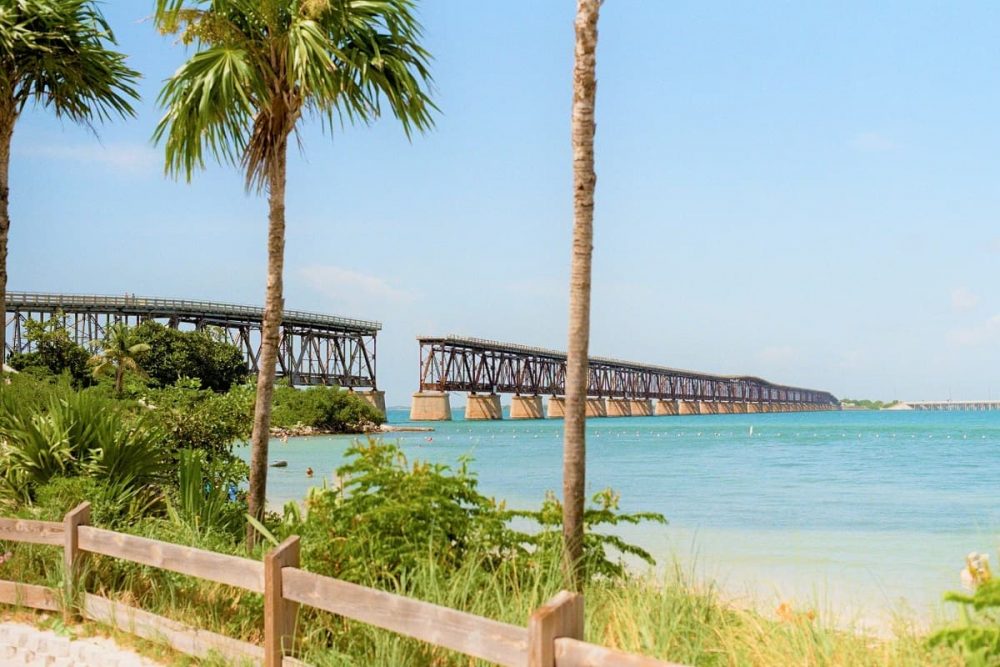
column 873, row 142
column 353, row 289
column 987, row 332
column 963, row 300
column 123, row 157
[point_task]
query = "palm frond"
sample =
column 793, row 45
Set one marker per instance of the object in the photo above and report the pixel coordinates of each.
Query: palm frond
column 56, row 53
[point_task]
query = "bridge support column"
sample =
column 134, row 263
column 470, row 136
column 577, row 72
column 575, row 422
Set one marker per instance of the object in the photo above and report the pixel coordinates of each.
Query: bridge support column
column 706, row 407
column 667, row 407
column 557, row 407
column 427, row 406
column 526, row 407
column 738, row 408
column 751, row 408
column 641, row 407
column 618, row 407
column 687, row 408
column 596, row 407
column 483, row 407
column 725, row 407
column 374, row 398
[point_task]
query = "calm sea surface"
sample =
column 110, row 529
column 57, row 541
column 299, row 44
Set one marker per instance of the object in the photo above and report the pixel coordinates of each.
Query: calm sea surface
column 863, row 513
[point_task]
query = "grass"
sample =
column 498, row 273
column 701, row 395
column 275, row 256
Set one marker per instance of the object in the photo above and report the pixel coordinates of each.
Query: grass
column 669, row 617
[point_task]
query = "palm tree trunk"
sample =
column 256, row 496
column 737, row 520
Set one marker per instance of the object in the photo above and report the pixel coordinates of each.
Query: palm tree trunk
column 7, row 119
column 273, row 307
column 577, row 368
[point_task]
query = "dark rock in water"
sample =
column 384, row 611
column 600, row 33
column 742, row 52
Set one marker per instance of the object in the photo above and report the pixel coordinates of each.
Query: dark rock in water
column 280, row 464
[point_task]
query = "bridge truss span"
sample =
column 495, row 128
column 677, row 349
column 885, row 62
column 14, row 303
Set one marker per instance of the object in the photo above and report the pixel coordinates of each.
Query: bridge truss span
column 313, row 348
column 478, row 366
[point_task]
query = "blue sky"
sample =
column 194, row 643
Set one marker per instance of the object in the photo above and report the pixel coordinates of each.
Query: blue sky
column 803, row 191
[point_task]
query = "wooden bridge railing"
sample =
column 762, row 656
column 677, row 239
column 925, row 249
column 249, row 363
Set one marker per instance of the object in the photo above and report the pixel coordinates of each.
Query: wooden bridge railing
column 553, row 637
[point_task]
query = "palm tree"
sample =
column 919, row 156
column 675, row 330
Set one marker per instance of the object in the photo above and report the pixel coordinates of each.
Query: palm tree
column 120, row 351
column 53, row 52
column 261, row 65
column 577, row 370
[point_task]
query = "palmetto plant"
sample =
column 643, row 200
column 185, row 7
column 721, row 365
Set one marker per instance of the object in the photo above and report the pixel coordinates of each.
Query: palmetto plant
column 260, row 66
column 121, row 350
column 55, row 53
column 79, row 435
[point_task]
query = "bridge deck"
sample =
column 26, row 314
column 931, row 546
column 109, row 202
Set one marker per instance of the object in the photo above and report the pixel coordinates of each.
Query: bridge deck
column 183, row 308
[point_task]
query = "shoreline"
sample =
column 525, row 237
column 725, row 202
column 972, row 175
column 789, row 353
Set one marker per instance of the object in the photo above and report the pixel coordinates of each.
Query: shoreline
column 309, row 431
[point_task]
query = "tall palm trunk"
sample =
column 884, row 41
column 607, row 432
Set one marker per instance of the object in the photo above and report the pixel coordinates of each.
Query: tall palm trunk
column 273, row 307
column 577, row 368
column 7, row 118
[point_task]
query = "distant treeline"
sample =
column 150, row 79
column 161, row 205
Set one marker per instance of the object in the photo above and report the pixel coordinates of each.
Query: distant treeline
column 866, row 404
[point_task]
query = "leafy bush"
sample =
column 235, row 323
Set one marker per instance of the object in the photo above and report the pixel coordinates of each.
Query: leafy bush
column 326, row 408
column 202, row 420
column 175, row 354
column 388, row 516
column 55, row 353
column 978, row 634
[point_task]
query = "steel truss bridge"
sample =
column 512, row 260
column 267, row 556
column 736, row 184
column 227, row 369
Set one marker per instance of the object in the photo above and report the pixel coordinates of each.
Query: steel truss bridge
column 313, row 348
column 454, row 363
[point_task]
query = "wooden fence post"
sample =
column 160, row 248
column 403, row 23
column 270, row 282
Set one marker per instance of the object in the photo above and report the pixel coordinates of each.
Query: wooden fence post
column 78, row 516
column 562, row 616
column 279, row 615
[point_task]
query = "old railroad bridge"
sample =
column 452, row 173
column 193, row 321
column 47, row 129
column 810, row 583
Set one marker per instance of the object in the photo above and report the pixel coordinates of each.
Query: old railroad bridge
column 329, row 350
column 314, row 349
column 617, row 388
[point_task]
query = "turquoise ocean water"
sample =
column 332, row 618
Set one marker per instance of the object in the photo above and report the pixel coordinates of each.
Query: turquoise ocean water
column 863, row 513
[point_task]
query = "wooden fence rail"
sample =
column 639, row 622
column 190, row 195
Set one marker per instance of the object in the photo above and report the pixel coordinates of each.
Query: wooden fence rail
column 553, row 637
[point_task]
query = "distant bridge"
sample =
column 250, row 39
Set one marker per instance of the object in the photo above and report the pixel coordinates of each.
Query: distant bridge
column 978, row 406
column 314, row 349
column 486, row 368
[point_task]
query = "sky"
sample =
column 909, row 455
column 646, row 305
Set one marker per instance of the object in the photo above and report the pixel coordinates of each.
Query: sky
column 808, row 192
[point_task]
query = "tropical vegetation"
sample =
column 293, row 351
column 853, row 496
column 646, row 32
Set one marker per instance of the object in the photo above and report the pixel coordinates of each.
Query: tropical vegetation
column 258, row 68
column 120, row 351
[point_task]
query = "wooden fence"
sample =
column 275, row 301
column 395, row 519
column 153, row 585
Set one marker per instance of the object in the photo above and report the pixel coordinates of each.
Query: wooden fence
column 553, row 637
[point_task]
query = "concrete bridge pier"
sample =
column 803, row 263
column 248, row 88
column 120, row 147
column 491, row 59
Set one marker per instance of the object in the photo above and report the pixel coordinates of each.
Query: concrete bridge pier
column 618, row 407
column 706, row 408
column 596, row 407
column 751, row 408
column 687, row 408
column 739, row 408
column 526, row 407
column 374, row 398
column 725, row 408
column 557, row 407
column 667, row 407
column 483, row 407
column 430, row 406
column 641, row 407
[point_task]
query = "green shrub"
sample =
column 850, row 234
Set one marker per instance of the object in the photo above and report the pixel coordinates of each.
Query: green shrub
column 326, row 408
column 977, row 636
column 205, row 355
column 202, row 420
column 55, row 353
column 389, row 515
